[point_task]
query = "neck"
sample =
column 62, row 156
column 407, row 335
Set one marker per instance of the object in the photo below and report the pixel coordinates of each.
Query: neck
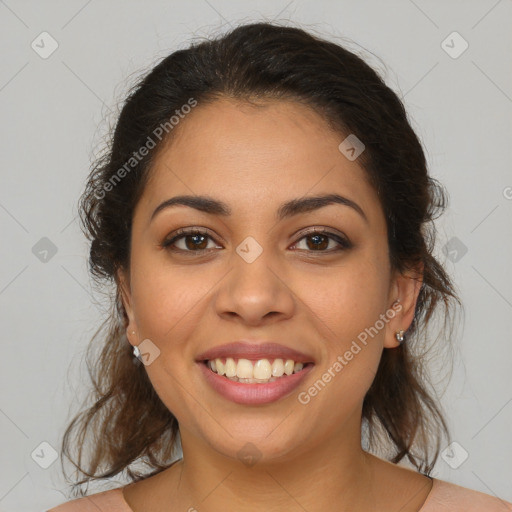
column 337, row 472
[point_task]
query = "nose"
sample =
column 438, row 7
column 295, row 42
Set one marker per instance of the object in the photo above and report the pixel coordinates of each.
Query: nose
column 255, row 292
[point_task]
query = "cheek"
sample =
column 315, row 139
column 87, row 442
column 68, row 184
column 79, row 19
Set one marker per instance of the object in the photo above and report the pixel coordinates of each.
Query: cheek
column 346, row 309
column 167, row 304
column 345, row 302
column 354, row 310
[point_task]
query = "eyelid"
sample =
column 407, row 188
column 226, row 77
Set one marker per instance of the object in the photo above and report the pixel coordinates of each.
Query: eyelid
column 187, row 231
column 341, row 239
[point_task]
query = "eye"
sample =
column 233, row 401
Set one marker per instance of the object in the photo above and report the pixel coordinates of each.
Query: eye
column 320, row 240
column 194, row 240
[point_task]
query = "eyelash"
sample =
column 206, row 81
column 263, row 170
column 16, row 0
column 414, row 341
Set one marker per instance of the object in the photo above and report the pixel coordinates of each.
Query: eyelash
column 182, row 233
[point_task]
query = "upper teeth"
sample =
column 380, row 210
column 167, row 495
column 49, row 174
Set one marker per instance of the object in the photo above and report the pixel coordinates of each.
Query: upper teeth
column 262, row 369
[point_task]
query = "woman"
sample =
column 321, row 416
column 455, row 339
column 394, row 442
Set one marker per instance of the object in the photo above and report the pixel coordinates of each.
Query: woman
column 266, row 213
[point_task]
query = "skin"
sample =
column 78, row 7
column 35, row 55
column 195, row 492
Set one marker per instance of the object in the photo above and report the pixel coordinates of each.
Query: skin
column 311, row 457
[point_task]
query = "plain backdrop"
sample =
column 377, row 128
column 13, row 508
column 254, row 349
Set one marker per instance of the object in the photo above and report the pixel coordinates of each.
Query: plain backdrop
column 53, row 110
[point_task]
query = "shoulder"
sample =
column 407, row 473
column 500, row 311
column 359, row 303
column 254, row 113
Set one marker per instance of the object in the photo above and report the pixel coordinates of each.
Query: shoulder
column 111, row 500
column 449, row 497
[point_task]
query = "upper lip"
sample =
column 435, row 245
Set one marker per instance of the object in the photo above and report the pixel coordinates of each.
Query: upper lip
column 252, row 350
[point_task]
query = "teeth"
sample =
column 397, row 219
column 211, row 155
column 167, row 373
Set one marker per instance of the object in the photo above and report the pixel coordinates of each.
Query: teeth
column 250, row 372
column 230, row 368
column 244, row 369
column 289, row 366
column 277, row 368
column 262, row 369
column 253, row 381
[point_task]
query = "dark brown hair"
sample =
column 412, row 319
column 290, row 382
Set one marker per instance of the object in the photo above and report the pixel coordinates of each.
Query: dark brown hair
column 126, row 421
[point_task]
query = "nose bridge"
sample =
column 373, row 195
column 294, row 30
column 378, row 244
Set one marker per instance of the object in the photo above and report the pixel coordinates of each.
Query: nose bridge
column 253, row 267
column 253, row 287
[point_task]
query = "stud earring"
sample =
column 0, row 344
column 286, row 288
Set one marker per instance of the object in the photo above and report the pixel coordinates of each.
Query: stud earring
column 399, row 336
column 136, row 352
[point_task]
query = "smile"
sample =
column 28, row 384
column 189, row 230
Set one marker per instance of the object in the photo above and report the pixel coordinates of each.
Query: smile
column 252, row 391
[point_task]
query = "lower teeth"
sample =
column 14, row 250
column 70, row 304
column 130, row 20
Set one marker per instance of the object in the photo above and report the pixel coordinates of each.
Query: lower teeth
column 255, row 381
column 252, row 381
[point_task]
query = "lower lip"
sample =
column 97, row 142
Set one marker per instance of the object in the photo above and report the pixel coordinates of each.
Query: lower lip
column 254, row 394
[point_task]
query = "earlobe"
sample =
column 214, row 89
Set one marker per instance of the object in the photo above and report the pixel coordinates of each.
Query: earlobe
column 405, row 291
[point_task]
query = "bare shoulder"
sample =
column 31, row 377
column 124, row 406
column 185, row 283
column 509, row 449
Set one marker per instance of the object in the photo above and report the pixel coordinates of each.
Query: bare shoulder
column 422, row 494
column 449, row 497
column 111, row 500
column 398, row 487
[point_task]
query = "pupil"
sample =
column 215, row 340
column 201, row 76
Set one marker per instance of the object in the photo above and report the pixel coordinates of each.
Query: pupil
column 316, row 238
column 195, row 239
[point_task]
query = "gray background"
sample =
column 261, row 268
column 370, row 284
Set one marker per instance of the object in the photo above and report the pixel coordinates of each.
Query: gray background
column 53, row 115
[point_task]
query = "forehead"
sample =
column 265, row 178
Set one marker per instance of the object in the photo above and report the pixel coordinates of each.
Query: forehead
column 255, row 154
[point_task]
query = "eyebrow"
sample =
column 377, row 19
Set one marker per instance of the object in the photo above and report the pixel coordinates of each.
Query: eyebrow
column 289, row 209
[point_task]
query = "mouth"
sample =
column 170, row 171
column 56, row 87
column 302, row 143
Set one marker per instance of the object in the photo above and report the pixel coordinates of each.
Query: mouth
column 251, row 374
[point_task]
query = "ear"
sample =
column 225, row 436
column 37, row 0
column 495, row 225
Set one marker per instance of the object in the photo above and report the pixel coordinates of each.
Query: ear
column 405, row 287
column 124, row 288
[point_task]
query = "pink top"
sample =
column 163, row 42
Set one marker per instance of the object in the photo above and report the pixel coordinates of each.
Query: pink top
column 444, row 496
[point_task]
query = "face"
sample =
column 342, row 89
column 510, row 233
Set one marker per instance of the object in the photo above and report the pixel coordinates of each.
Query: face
column 259, row 273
